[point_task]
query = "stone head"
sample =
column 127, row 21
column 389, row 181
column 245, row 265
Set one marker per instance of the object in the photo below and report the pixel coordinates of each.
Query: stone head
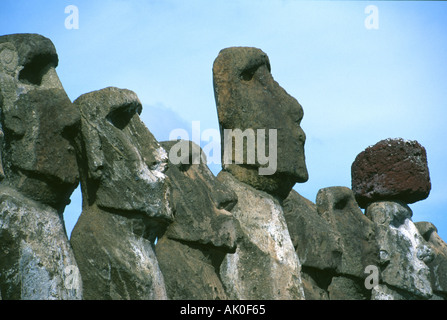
column 248, row 97
column 122, row 164
column 403, row 250
column 38, row 121
column 202, row 203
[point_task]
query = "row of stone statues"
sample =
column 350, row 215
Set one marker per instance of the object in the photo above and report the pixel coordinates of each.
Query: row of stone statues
column 153, row 228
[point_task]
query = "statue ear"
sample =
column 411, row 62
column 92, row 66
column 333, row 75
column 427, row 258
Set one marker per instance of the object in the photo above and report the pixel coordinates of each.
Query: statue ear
column 9, row 58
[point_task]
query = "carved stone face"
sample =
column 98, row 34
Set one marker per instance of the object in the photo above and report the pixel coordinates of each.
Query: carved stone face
column 202, row 203
column 248, row 97
column 403, row 251
column 124, row 163
column 38, row 121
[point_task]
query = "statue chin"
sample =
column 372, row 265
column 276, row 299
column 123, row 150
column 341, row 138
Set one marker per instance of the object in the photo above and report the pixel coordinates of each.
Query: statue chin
column 43, row 189
column 278, row 184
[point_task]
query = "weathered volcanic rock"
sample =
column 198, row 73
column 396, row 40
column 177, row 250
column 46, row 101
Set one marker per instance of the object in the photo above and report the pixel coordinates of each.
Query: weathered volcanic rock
column 357, row 235
column 249, row 101
column 392, row 169
column 125, row 199
column 386, row 292
column 40, row 146
column 248, row 98
column 317, row 243
column 193, row 246
column 115, row 257
column 346, row 288
column 334, row 242
column 29, row 58
column 313, row 288
column 190, row 270
column 403, row 251
column 39, row 172
column 265, row 265
column 38, row 122
column 122, row 163
column 201, row 203
column 438, row 266
column 36, row 259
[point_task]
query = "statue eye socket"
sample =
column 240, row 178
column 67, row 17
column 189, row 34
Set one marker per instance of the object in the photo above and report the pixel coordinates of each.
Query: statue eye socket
column 70, row 131
column 121, row 116
column 34, row 70
column 248, row 73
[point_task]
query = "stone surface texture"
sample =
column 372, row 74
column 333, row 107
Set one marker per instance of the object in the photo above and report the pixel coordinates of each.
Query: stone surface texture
column 38, row 173
column 265, row 265
column 317, row 243
column 157, row 224
column 438, row 266
column 392, row 169
column 248, row 98
column 204, row 230
column 125, row 199
column 403, row 252
column 36, row 259
column 358, row 245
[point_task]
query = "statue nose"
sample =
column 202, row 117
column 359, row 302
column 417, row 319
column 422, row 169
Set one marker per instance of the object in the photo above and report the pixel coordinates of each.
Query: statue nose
column 225, row 199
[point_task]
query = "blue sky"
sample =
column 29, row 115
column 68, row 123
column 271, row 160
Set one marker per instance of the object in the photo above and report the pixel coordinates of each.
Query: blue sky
column 357, row 86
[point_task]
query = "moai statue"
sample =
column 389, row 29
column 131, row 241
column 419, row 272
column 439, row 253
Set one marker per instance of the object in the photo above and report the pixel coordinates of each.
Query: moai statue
column 204, row 230
column 438, row 266
column 125, row 196
column 39, row 173
column 316, row 243
column 403, row 253
column 385, row 178
column 356, row 241
column 251, row 106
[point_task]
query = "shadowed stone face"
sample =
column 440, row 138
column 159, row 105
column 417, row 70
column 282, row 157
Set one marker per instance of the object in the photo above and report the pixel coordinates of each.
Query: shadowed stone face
column 308, row 230
column 194, row 245
column 123, row 163
column 358, row 245
column 248, row 97
column 403, row 252
column 125, row 199
column 438, row 266
column 202, row 203
column 29, row 58
column 38, row 174
column 38, row 121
